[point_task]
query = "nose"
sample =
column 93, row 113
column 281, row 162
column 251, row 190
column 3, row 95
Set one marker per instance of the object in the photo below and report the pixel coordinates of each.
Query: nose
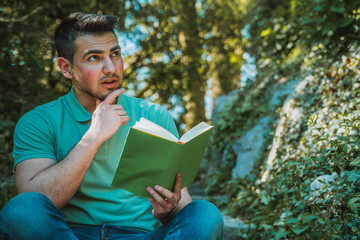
column 109, row 66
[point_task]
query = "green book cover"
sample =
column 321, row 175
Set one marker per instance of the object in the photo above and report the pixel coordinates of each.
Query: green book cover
column 152, row 155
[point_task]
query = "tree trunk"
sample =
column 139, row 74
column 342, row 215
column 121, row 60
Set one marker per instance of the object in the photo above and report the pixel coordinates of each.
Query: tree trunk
column 195, row 83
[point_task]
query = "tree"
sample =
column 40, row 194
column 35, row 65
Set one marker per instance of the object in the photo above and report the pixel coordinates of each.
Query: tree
column 182, row 44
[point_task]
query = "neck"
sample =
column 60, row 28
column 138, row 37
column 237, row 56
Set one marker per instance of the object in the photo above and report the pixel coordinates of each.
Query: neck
column 86, row 100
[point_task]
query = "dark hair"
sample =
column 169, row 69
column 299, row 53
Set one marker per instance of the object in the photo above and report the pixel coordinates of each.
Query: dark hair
column 78, row 24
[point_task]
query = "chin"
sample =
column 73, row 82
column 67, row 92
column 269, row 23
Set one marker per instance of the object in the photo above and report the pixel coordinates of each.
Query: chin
column 104, row 95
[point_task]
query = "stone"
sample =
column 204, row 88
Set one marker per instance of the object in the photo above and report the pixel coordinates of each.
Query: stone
column 231, row 227
column 249, row 147
column 323, row 181
column 287, row 111
column 221, row 103
column 282, row 90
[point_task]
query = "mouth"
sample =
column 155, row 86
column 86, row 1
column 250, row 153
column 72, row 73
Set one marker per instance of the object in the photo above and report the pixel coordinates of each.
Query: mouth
column 109, row 82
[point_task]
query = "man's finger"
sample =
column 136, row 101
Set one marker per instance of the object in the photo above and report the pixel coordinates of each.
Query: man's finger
column 98, row 102
column 152, row 201
column 177, row 186
column 166, row 193
column 155, row 195
column 113, row 95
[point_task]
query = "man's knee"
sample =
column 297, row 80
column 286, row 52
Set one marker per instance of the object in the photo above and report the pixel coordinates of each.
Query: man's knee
column 25, row 212
column 206, row 210
column 207, row 220
column 25, row 207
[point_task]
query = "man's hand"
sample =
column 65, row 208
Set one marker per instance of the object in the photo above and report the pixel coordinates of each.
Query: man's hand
column 164, row 202
column 60, row 180
column 108, row 117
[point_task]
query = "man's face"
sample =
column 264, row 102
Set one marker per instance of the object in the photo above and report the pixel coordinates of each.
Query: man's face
column 97, row 67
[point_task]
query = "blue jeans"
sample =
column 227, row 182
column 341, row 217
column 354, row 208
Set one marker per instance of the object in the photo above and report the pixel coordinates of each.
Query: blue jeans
column 33, row 216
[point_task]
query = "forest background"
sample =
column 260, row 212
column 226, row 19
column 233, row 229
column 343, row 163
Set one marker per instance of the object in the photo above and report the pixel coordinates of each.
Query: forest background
column 179, row 53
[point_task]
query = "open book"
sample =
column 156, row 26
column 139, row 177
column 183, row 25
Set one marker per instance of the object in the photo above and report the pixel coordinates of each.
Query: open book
column 152, row 155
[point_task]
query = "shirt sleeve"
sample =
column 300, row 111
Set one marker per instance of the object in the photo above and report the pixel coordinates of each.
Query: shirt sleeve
column 33, row 138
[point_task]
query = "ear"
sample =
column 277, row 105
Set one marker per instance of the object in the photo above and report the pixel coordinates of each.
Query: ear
column 65, row 67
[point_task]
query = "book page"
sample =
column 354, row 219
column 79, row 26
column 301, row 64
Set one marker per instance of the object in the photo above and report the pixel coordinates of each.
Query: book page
column 195, row 131
column 150, row 127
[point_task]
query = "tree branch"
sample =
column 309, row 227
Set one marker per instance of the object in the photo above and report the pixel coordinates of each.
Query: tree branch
column 23, row 18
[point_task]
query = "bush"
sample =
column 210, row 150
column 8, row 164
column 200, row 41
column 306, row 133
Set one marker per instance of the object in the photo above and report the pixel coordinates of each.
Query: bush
column 289, row 206
column 7, row 189
column 319, row 147
column 315, row 41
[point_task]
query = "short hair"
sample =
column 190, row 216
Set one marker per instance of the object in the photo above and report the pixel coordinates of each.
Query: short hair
column 78, row 24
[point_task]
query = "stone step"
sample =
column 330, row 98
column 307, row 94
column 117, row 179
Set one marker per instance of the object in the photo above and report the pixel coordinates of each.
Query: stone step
column 231, row 226
column 196, row 189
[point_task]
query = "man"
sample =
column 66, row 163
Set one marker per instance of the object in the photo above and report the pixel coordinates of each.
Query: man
column 66, row 153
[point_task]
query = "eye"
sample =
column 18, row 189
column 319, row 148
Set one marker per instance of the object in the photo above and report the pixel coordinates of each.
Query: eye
column 115, row 54
column 93, row 58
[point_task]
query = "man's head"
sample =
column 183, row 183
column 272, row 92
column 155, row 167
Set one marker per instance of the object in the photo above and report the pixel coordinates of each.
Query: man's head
column 79, row 24
column 90, row 55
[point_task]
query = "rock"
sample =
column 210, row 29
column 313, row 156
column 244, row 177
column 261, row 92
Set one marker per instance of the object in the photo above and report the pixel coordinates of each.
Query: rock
column 231, row 226
column 287, row 111
column 221, row 103
column 282, row 90
column 323, row 181
column 249, row 147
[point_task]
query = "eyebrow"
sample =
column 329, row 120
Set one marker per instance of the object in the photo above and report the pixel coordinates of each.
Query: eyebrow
column 95, row 51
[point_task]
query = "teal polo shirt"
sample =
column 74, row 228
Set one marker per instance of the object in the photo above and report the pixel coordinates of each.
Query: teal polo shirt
column 53, row 129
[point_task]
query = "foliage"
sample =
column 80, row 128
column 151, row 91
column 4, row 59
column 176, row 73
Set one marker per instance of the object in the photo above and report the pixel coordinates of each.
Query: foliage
column 280, row 29
column 290, row 206
column 7, row 189
column 316, row 41
column 182, row 44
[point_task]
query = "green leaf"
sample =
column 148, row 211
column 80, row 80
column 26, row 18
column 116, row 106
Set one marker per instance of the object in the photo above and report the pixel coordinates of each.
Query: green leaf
column 355, row 161
column 264, row 197
column 353, row 200
column 338, row 8
column 345, row 22
column 329, row 27
column 319, row 8
column 307, row 20
column 307, row 217
column 354, row 207
column 353, row 204
column 346, row 114
column 299, row 229
column 292, row 221
column 320, row 220
column 281, row 234
column 266, row 226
